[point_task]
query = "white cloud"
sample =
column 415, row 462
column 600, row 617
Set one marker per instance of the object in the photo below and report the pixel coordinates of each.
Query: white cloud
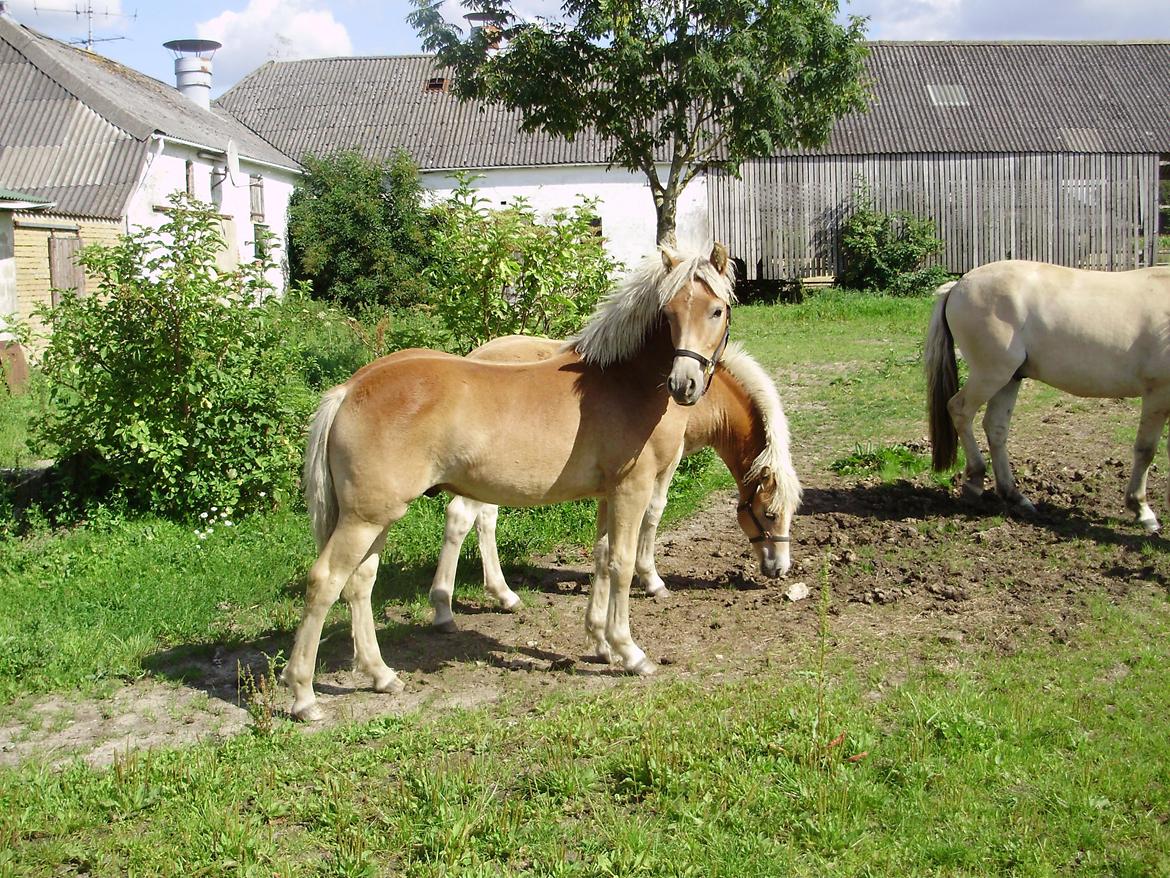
column 266, row 30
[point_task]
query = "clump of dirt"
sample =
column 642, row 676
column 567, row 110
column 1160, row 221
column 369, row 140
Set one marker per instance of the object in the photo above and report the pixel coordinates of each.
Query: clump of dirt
column 907, row 564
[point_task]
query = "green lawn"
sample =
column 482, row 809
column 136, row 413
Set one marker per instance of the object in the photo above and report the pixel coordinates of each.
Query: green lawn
column 1053, row 760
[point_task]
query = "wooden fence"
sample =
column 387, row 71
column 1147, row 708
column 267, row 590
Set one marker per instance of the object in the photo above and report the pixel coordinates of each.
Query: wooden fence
column 782, row 216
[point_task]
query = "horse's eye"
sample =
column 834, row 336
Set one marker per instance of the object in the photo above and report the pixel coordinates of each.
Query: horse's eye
column 718, row 312
column 771, row 516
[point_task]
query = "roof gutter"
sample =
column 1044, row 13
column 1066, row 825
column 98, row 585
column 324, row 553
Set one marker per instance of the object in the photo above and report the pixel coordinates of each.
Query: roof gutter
column 7, row 204
column 219, row 153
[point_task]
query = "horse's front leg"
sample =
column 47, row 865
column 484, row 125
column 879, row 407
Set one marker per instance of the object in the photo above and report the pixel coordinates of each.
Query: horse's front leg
column 595, row 613
column 644, row 565
column 1154, row 411
column 626, row 507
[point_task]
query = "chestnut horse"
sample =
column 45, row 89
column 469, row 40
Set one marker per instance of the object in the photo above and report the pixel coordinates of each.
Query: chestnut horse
column 603, row 419
column 741, row 416
column 1088, row 333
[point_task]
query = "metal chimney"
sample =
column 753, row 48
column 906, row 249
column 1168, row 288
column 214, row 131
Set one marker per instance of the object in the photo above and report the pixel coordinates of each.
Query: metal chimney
column 193, row 68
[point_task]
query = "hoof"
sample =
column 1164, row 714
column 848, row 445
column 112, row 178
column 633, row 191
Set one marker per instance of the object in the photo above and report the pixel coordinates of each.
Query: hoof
column 511, row 603
column 970, row 492
column 657, row 589
column 1151, row 525
column 643, row 667
column 606, row 654
column 390, row 684
column 448, row 627
column 310, row 713
column 1023, row 504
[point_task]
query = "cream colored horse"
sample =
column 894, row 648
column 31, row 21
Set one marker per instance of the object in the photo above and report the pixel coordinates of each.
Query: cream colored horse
column 603, row 419
column 741, row 416
column 1088, row 333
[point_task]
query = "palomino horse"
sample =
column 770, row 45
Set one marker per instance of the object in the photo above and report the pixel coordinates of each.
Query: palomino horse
column 741, row 416
column 601, row 419
column 1089, row 333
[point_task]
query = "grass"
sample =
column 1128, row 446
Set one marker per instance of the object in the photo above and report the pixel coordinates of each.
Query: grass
column 1045, row 765
column 954, row 760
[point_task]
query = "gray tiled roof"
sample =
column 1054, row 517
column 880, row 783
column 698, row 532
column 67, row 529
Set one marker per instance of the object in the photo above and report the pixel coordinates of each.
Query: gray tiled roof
column 1014, row 96
column 75, row 126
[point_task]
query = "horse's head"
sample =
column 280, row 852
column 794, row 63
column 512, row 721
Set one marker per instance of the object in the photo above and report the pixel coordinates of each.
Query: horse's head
column 765, row 518
column 700, row 325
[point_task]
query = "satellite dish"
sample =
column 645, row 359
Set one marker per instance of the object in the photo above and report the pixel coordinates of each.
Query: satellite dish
column 233, row 161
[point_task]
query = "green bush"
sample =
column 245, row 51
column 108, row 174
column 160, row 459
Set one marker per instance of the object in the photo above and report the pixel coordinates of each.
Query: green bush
column 357, row 230
column 504, row 272
column 172, row 384
column 886, row 252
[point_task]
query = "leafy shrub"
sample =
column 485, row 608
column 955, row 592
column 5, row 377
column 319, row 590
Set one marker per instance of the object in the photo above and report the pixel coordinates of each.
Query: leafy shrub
column 357, row 230
column 502, row 272
column 883, row 251
column 172, row 383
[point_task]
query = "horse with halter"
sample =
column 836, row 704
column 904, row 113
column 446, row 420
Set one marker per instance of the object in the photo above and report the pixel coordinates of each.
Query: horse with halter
column 605, row 418
column 741, row 416
column 1088, row 333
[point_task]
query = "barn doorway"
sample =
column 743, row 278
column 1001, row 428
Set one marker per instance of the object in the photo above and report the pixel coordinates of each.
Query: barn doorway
column 1162, row 251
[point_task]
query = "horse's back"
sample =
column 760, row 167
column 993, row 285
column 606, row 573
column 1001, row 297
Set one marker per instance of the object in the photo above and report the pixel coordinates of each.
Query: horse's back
column 1091, row 333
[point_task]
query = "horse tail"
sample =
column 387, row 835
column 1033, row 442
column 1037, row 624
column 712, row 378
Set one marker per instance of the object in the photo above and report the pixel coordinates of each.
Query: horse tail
column 942, row 382
column 316, row 479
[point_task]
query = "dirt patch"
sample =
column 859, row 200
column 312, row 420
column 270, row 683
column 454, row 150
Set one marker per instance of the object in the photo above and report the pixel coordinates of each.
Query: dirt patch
column 913, row 571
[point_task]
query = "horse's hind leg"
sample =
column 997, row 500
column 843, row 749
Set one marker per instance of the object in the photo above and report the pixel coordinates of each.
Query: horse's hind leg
column 461, row 513
column 367, row 656
column 595, row 612
column 996, row 421
column 352, row 542
column 962, row 407
column 1155, row 408
column 493, row 574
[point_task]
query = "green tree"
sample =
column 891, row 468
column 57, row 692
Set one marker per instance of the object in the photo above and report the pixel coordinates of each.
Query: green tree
column 357, row 230
column 172, row 382
column 504, row 272
column 689, row 83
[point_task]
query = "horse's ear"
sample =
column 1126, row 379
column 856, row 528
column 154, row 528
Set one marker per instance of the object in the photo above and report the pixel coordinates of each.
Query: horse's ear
column 767, row 478
column 719, row 258
column 669, row 257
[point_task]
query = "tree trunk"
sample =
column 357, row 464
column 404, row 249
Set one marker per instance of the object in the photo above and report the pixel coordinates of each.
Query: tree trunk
column 666, row 207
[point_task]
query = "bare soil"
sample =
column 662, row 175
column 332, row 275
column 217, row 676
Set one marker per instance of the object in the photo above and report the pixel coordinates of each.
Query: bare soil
column 914, row 573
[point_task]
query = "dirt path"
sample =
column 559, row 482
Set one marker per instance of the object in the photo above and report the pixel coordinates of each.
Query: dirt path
column 911, row 568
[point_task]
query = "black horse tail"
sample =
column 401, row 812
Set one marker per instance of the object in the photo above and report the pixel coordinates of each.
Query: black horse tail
column 942, row 383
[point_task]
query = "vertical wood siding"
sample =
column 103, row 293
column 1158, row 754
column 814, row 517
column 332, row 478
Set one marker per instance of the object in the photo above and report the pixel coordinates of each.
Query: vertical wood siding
column 782, row 216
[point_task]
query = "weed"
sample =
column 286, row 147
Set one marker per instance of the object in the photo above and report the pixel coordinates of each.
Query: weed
column 888, row 461
column 260, row 693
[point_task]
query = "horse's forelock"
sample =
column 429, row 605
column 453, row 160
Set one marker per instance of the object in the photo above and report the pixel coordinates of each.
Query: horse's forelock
column 623, row 319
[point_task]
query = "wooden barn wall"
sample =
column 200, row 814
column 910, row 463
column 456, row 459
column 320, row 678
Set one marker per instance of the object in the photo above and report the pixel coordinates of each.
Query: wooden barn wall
column 781, row 216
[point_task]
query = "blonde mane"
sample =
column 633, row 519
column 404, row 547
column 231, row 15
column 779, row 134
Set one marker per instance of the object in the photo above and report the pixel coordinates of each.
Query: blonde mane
column 761, row 389
column 618, row 328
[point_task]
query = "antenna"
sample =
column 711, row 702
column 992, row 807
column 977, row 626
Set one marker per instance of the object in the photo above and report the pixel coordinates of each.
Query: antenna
column 86, row 8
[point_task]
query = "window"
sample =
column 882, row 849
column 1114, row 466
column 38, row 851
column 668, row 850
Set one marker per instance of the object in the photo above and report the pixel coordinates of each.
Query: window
column 256, row 191
column 191, row 178
column 948, row 95
column 436, row 83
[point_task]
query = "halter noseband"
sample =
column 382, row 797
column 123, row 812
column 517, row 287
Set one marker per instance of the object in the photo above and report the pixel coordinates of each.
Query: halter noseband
column 709, row 364
column 765, row 534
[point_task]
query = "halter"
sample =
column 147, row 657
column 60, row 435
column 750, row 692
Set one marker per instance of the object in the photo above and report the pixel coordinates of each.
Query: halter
column 709, row 364
column 765, row 534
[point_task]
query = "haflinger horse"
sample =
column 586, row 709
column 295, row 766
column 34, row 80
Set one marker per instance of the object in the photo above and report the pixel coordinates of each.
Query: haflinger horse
column 741, row 416
column 1088, row 333
column 605, row 418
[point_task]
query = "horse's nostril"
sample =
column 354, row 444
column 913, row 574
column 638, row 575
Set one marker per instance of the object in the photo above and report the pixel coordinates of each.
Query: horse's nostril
column 690, row 385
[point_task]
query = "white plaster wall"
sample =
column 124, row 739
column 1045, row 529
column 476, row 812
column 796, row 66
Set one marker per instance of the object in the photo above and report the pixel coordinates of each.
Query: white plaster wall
column 8, row 302
column 626, row 207
column 166, row 172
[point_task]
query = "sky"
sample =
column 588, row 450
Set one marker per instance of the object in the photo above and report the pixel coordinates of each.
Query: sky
column 254, row 31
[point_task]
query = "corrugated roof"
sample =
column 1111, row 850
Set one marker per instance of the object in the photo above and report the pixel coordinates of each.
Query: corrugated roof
column 1012, row 97
column 927, row 97
column 75, row 126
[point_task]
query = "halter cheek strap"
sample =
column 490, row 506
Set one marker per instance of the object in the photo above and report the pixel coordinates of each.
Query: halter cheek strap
column 710, row 363
column 765, row 535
